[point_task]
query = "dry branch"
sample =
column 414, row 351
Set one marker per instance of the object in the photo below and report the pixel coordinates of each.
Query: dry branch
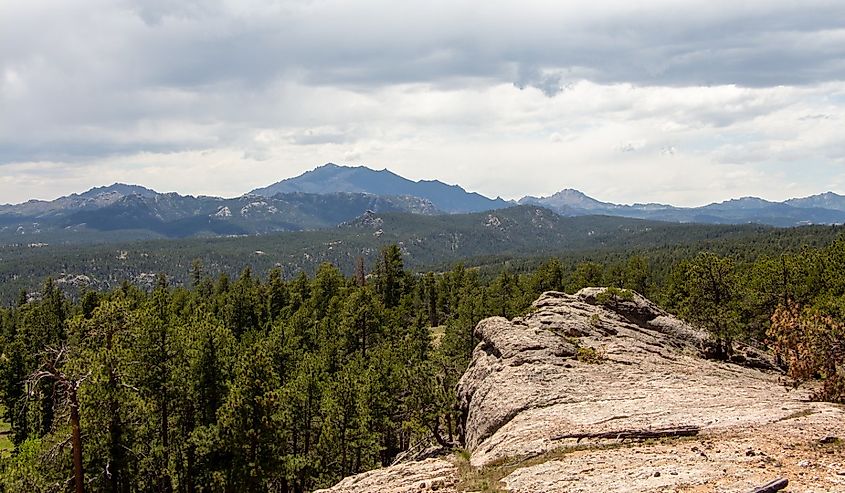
column 680, row 431
column 772, row 487
column 51, row 371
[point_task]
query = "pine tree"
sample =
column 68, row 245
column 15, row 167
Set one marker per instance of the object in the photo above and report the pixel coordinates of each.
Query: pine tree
column 712, row 300
column 362, row 321
column 249, row 424
column 277, row 295
column 104, row 340
column 390, row 276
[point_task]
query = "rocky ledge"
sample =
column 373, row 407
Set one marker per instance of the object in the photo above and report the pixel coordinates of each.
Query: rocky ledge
column 549, row 398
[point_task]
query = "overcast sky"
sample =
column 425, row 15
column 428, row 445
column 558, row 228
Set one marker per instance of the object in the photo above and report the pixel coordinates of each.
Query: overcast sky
column 685, row 102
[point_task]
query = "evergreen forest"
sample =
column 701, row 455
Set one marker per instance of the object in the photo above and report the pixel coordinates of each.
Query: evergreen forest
column 267, row 382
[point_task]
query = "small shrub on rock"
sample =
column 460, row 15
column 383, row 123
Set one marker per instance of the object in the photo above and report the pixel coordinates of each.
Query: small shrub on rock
column 811, row 343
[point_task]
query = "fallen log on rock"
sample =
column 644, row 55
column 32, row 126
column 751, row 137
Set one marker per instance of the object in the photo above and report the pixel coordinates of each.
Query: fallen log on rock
column 772, row 487
column 681, row 431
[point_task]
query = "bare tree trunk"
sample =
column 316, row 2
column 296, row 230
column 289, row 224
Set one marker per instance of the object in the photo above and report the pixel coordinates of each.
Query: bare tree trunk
column 435, row 431
column 79, row 483
column 360, row 273
column 166, row 483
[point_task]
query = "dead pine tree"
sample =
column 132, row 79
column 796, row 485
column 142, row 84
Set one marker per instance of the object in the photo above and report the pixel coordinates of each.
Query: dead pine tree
column 66, row 389
column 360, row 272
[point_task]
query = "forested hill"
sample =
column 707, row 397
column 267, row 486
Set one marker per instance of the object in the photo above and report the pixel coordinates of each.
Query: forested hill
column 425, row 241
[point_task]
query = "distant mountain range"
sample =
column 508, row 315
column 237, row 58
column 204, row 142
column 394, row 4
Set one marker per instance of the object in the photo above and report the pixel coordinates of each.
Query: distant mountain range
column 133, row 212
column 331, row 194
column 826, row 208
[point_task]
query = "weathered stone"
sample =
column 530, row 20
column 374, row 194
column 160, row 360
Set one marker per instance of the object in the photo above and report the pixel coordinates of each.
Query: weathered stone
column 522, row 366
column 527, row 385
column 422, row 476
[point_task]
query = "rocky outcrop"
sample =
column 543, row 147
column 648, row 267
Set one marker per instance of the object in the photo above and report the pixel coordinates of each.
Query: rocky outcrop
column 590, row 363
column 532, row 361
column 414, row 477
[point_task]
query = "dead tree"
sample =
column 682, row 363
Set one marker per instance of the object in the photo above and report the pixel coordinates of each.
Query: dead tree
column 67, row 388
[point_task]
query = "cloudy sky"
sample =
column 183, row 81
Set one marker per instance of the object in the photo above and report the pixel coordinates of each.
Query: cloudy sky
column 685, row 102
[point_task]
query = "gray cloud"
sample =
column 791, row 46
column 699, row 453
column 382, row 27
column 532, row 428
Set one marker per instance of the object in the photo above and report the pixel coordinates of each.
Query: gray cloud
column 550, row 84
column 189, row 44
column 101, row 79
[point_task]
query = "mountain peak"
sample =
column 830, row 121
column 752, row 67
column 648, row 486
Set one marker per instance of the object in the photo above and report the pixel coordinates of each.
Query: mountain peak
column 572, row 192
column 826, row 200
column 333, row 178
column 567, row 199
column 746, row 201
column 121, row 189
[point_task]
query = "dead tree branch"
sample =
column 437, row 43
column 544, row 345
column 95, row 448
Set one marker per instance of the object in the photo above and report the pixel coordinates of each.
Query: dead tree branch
column 681, row 431
column 51, row 370
column 772, row 487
